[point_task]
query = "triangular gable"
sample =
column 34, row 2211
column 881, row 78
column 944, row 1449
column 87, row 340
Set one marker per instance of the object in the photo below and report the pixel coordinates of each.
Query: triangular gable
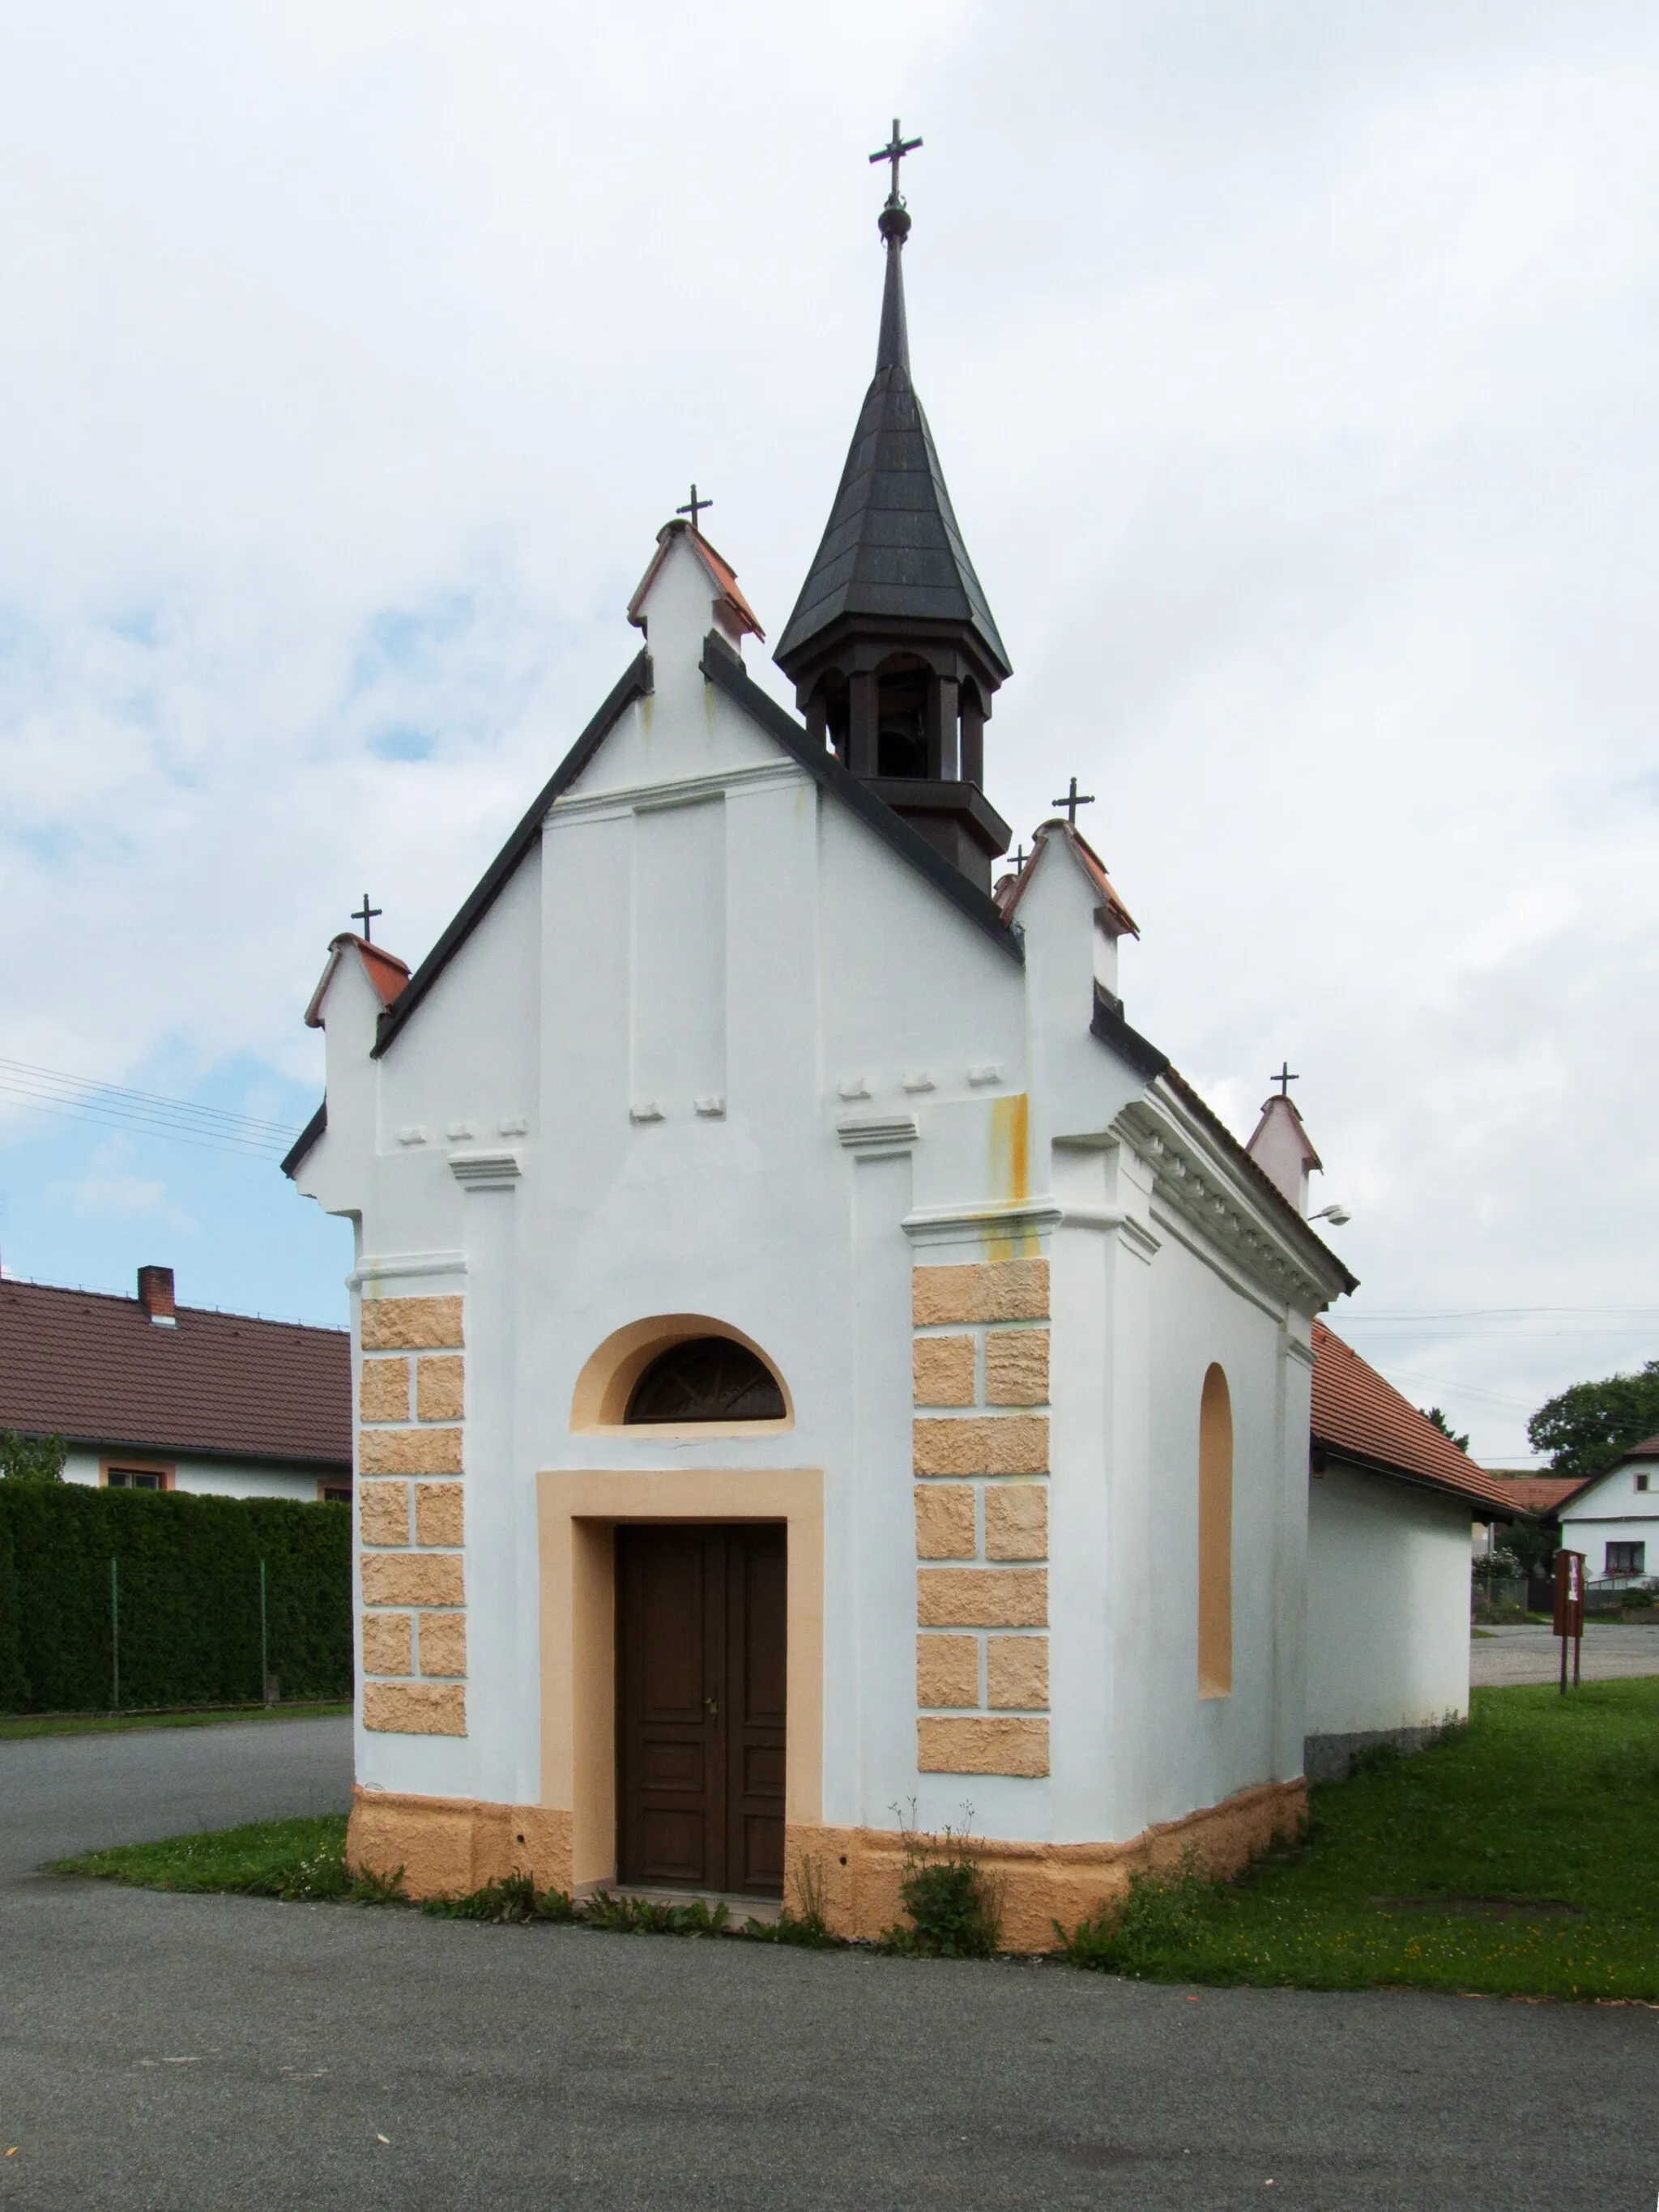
column 635, row 684
column 726, row 671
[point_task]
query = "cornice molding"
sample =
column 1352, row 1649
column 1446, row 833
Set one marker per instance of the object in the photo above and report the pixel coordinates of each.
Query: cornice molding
column 1195, row 1182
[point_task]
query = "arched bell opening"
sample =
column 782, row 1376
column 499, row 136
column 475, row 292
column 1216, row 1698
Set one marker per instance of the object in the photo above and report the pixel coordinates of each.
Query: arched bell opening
column 830, row 712
column 903, row 685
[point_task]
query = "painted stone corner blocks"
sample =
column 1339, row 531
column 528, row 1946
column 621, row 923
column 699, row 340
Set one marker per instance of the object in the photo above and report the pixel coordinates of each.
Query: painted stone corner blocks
column 411, row 1515
column 980, row 1452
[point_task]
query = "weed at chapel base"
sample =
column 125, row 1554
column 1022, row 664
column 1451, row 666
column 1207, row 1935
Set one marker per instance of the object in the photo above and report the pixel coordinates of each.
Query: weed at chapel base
column 954, row 1907
column 808, row 1929
column 642, row 1916
column 512, row 1900
column 1161, row 1913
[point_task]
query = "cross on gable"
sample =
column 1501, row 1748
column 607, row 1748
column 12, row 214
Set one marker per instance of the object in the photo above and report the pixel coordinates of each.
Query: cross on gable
column 1285, row 1078
column 895, row 151
column 694, row 507
column 365, row 914
column 1073, row 799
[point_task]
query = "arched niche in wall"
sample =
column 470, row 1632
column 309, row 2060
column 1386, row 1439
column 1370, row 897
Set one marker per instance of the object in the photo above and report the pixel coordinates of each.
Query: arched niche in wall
column 687, row 1374
column 1215, row 1538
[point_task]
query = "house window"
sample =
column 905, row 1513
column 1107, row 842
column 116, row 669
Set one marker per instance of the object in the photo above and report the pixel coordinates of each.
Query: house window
column 709, row 1378
column 334, row 1494
column 1215, row 1538
column 1641, row 1482
column 138, row 1478
column 1626, row 1558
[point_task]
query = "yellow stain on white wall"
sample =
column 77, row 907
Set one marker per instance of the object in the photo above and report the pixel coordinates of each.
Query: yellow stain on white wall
column 1010, row 1173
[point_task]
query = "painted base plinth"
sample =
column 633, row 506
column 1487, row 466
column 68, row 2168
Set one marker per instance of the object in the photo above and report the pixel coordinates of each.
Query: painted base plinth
column 449, row 1845
column 855, row 1873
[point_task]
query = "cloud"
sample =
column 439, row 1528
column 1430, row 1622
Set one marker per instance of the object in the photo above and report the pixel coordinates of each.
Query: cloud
column 1292, row 373
column 108, row 1189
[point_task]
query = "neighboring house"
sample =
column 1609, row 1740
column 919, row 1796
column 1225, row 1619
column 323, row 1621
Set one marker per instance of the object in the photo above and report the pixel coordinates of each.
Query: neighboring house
column 1613, row 1518
column 1390, row 1504
column 814, row 1357
column 151, row 1396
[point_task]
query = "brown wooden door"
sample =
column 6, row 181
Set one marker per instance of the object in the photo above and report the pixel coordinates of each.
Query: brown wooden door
column 701, row 1650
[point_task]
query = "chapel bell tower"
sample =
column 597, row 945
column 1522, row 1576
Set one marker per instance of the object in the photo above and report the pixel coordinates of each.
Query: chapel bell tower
column 891, row 646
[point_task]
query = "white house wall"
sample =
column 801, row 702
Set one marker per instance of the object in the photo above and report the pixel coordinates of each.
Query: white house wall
column 1388, row 1613
column 207, row 1478
column 1614, row 1511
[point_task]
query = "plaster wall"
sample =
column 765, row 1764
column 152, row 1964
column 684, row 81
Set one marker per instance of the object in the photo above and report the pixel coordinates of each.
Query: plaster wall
column 1388, row 1606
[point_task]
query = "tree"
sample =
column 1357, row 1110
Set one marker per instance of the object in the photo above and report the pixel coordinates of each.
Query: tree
column 1434, row 1414
column 1586, row 1428
column 30, row 1459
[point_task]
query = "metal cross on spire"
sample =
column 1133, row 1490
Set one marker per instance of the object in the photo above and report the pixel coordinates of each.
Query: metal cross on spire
column 895, row 151
column 1073, row 799
column 365, row 914
column 1285, row 1078
column 694, row 507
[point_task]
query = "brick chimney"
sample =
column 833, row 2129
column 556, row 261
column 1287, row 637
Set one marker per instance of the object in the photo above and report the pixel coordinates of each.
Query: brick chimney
column 155, row 1296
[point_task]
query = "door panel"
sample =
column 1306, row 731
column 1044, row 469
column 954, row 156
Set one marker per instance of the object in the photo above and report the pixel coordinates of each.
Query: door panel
column 701, row 1669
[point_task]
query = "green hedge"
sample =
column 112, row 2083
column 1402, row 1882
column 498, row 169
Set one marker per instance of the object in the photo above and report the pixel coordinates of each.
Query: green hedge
column 187, row 1570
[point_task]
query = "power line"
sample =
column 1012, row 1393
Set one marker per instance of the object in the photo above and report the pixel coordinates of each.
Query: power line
column 179, row 1121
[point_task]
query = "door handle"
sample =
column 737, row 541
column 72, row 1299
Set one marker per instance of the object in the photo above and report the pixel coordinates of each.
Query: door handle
column 712, row 1705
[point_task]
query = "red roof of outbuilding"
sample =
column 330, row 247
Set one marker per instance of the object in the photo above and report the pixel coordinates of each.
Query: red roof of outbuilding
column 1358, row 1416
column 97, row 1370
column 1542, row 1493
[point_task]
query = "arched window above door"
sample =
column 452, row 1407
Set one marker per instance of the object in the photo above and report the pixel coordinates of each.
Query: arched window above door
column 707, row 1378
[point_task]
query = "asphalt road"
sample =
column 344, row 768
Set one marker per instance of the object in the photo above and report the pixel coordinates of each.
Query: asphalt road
column 162, row 2054
column 1613, row 1652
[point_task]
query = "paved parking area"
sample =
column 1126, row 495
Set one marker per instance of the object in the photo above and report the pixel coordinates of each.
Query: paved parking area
column 162, row 2054
column 1531, row 1654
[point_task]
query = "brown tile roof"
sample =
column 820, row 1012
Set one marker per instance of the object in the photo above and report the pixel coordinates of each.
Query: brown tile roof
column 1647, row 1448
column 1358, row 1416
column 1542, row 1493
column 95, row 1368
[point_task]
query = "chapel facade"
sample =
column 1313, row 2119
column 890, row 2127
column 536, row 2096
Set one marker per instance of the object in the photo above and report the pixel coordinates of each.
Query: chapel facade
column 817, row 1366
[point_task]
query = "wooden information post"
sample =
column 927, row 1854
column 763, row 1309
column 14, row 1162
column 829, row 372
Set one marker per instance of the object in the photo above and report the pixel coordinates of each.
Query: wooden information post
column 1570, row 1610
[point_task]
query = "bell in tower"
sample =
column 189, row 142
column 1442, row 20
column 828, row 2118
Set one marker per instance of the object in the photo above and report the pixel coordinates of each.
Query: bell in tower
column 891, row 647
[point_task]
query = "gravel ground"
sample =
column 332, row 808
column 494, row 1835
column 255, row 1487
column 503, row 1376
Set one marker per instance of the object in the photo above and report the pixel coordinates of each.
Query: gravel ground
column 163, row 2054
column 1531, row 1654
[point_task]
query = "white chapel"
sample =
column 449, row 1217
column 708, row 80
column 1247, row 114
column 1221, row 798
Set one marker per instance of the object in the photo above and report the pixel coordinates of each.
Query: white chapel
column 814, row 1358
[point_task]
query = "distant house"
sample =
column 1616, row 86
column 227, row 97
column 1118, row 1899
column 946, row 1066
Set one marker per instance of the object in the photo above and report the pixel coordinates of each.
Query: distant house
column 1613, row 1518
column 152, row 1396
column 1391, row 1500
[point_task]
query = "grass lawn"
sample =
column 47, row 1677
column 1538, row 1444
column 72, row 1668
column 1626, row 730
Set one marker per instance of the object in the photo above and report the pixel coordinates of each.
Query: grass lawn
column 1429, row 1872
column 293, row 1859
column 17, row 1726
column 1432, row 1872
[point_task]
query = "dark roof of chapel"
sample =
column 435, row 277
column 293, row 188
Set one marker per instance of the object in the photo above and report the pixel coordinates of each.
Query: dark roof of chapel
column 96, row 1369
column 892, row 548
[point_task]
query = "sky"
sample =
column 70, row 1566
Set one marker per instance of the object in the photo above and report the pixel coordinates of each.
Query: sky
column 1292, row 370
